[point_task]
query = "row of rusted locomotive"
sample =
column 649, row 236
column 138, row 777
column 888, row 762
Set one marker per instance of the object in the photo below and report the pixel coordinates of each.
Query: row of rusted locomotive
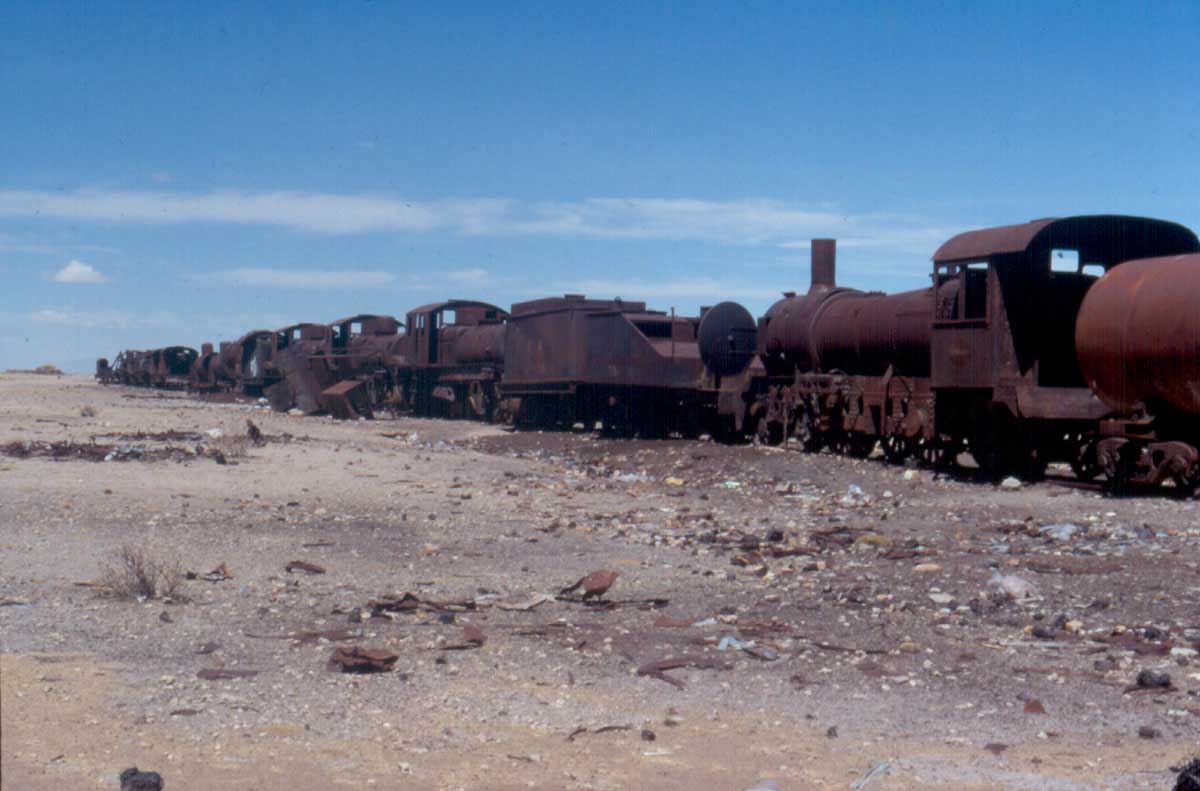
column 1060, row 340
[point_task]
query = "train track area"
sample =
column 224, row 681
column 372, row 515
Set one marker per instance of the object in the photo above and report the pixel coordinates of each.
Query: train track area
column 416, row 603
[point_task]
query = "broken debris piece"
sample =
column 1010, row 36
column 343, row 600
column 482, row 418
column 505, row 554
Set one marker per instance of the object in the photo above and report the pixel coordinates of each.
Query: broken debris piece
column 301, row 565
column 356, row 659
column 224, row 674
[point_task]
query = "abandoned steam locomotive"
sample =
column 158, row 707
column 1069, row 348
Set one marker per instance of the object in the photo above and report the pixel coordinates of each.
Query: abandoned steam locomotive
column 1073, row 340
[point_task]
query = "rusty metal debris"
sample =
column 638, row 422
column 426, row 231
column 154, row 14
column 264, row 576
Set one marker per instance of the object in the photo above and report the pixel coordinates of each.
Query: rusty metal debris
column 388, row 605
column 657, row 669
column 303, row 565
column 224, row 674
column 356, row 659
column 602, row 729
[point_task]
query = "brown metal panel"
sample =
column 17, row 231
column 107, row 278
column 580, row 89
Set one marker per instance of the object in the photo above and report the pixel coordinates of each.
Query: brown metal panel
column 962, row 356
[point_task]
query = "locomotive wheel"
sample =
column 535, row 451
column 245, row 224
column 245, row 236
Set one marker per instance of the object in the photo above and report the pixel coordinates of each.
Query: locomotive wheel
column 769, row 432
column 1186, row 484
column 858, row 445
column 811, row 440
column 1084, row 465
column 1118, row 479
column 937, row 453
column 896, row 448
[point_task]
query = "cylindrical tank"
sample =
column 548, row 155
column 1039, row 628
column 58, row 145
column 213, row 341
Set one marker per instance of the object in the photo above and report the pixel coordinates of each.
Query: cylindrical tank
column 483, row 343
column 1137, row 334
column 789, row 325
column 727, row 339
column 863, row 334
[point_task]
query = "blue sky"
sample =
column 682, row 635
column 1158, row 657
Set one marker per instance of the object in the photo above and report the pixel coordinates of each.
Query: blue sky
column 174, row 173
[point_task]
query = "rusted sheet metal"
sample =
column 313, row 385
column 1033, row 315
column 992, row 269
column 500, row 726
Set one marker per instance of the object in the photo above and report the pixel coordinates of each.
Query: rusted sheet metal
column 545, row 347
column 346, row 400
column 300, row 382
column 1110, row 238
column 987, row 242
column 1138, row 335
column 640, row 350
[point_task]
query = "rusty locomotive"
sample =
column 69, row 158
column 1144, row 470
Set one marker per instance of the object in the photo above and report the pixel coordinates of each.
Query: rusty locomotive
column 1035, row 343
column 1070, row 340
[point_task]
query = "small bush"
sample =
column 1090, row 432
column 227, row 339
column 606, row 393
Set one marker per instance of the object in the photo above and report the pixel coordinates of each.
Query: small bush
column 137, row 572
column 232, row 446
column 87, row 411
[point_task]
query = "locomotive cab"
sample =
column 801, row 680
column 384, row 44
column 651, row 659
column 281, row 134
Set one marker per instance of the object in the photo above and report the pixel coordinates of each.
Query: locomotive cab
column 454, row 354
column 1004, row 369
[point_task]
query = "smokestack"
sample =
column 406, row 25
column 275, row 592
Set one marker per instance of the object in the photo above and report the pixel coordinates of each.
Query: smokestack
column 824, row 263
column 206, row 349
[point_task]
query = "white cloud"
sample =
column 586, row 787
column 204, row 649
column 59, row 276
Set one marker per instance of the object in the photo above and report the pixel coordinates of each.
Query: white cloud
column 52, row 317
column 302, row 278
column 741, row 221
column 79, row 272
column 703, row 289
column 108, row 319
column 474, row 276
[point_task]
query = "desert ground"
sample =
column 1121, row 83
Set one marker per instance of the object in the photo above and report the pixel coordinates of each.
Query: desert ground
column 836, row 624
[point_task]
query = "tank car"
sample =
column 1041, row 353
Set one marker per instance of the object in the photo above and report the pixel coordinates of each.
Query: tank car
column 1137, row 338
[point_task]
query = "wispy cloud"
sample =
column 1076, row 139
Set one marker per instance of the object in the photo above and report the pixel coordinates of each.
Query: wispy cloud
column 704, row 289
column 107, row 319
column 743, row 221
column 301, row 278
column 79, row 272
column 474, row 276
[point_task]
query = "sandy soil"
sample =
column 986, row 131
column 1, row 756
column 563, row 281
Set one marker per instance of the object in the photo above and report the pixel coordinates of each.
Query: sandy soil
column 870, row 635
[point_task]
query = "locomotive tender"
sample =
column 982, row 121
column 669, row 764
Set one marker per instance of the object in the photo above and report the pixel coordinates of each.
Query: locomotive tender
column 1068, row 339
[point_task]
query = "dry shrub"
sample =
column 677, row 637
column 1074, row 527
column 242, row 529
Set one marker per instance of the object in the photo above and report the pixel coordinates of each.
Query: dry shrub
column 232, row 446
column 87, row 411
column 137, row 572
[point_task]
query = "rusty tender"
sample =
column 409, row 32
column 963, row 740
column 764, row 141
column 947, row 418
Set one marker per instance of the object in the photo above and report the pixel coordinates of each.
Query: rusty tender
column 1074, row 339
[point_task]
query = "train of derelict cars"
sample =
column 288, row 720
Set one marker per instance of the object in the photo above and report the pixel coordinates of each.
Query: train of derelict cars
column 1071, row 340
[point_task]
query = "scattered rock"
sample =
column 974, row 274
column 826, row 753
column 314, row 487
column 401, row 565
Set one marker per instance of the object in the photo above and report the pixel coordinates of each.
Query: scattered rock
column 1189, row 777
column 134, row 780
column 1153, row 679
